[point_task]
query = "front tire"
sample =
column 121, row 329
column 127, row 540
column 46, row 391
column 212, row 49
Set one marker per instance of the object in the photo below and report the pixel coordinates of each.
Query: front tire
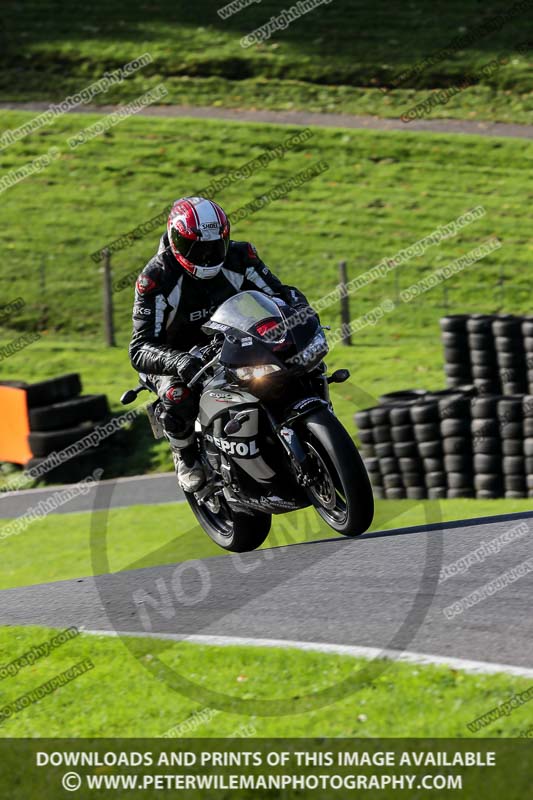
column 342, row 494
column 236, row 531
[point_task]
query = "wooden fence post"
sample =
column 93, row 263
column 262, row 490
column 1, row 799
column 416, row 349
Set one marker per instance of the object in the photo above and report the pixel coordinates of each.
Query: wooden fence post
column 109, row 326
column 42, row 285
column 345, row 305
column 501, row 285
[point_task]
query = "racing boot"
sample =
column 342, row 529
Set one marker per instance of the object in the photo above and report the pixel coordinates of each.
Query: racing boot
column 189, row 470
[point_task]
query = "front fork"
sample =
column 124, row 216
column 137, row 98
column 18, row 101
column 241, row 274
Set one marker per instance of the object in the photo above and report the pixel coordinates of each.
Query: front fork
column 303, row 466
column 292, row 444
column 296, row 453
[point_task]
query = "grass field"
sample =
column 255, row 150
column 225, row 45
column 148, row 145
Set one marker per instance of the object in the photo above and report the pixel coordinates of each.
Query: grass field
column 381, row 193
column 333, row 59
column 433, row 699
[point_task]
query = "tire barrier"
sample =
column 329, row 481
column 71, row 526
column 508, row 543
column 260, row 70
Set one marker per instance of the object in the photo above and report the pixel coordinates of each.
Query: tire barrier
column 37, row 419
column 493, row 352
column 69, row 413
column 449, row 444
column 473, row 439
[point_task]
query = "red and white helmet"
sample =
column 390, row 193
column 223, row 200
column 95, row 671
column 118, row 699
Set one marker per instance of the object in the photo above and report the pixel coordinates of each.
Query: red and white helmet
column 198, row 233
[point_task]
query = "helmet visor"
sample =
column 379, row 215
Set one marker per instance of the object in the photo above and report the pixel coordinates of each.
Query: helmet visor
column 201, row 254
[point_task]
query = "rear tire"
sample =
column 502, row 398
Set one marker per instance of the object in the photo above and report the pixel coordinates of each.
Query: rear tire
column 330, row 446
column 236, row 531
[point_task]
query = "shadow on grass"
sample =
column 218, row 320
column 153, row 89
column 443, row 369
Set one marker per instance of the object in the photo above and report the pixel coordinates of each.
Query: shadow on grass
column 131, row 451
column 346, row 42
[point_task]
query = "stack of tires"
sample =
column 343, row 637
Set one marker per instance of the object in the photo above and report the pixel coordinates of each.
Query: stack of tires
column 485, row 372
column 503, row 446
column 457, row 364
column 425, row 416
column 449, row 444
column 58, row 414
column 410, row 469
column 493, row 352
column 527, row 410
column 389, row 447
column 474, row 439
column 426, row 456
column 456, row 433
column 527, row 338
column 510, row 354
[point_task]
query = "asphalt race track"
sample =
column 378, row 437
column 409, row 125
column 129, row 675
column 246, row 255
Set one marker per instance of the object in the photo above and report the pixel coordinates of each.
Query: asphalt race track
column 381, row 590
column 120, row 493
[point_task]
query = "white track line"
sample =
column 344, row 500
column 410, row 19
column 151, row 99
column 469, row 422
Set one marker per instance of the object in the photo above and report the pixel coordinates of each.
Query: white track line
column 464, row 664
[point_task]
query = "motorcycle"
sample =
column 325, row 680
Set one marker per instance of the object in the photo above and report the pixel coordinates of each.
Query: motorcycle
column 267, row 434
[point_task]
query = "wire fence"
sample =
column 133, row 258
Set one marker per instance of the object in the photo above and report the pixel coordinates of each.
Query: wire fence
column 506, row 295
column 498, row 292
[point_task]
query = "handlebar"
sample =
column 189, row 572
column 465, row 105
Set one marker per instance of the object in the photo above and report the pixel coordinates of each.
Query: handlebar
column 201, row 371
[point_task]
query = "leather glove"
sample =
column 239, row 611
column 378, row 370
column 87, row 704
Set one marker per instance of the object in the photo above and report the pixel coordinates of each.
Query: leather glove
column 187, row 366
column 292, row 296
column 297, row 301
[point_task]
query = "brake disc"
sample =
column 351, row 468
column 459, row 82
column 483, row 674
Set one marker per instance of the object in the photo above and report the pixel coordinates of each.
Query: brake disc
column 322, row 488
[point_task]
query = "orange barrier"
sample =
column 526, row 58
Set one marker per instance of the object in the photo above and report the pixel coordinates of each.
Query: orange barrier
column 14, row 426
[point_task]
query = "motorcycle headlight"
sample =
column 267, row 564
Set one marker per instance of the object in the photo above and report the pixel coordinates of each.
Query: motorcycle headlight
column 251, row 373
column 317, row 348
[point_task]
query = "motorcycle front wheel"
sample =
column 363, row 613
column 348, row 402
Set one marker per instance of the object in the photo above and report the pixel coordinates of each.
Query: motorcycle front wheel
column 341, row 490
column 236, row 531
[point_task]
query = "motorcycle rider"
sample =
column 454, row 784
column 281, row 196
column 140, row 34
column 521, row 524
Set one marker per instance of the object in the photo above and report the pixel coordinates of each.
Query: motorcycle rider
column 197, row 267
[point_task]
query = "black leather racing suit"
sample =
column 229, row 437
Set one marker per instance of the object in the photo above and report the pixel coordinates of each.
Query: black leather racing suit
column 170, row 308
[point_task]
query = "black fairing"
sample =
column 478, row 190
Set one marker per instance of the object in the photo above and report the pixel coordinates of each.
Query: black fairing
column 254, row 464
column 292, row 330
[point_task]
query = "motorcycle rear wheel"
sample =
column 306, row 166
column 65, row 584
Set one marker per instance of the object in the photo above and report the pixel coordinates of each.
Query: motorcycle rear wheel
column 342, row 495
column 236, row 531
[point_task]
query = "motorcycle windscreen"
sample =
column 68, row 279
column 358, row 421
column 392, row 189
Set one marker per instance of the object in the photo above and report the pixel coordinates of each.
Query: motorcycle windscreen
column 245, row 310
